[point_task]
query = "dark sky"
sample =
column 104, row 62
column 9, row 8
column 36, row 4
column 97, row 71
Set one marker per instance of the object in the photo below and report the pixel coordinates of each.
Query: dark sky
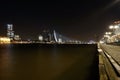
column 79, row 20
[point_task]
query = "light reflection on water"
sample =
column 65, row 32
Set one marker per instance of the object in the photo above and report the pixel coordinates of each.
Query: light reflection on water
column 47, row 63
column 5, row 62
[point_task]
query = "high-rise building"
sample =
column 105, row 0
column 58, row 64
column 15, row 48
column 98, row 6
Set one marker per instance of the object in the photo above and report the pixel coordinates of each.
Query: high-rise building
column 10, row 32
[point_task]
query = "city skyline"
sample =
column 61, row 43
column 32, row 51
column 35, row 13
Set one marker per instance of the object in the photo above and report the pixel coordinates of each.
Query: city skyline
column 79, row 20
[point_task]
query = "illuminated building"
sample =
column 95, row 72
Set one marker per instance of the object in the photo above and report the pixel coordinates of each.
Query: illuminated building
column 114, row 35
column 4, row 40
column 10, row 32
column 17, row 37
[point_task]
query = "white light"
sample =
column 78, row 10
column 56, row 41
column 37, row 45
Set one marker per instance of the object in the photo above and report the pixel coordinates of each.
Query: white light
column 101, row 42
column 108, row 33
column 116, row 27
column 100, row 50
column 59, row 40
column 111, row 27
column 40, row 38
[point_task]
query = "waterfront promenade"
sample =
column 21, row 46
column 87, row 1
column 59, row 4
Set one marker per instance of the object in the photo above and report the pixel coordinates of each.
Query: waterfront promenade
column 113, row 50
column 110, row 58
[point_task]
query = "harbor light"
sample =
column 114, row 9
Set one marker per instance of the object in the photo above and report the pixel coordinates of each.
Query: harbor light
column 111, row 27
column 116, row 26
column 108, row 33
column 4, row 40
column 40, row 37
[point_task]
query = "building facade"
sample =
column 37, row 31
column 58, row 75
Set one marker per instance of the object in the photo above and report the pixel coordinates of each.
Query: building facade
column 10, row 32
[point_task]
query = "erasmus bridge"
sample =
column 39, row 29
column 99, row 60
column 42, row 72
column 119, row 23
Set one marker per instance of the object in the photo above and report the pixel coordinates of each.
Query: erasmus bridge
column 50, row 38
column 59, row 38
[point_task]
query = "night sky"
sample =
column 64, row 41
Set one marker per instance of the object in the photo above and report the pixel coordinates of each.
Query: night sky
column 81, row 20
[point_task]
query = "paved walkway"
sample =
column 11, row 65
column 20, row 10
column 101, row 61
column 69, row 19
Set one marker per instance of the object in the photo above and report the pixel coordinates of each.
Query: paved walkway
column 112, row 50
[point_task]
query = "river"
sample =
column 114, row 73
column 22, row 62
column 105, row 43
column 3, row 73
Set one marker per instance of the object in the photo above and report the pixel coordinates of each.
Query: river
column 48, row 62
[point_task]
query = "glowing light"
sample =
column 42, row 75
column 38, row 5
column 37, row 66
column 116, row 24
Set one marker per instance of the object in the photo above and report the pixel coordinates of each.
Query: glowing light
column 111, row 27
column 4, row 40
column 100, row 50
column 40, row 38
column 60, row 40
column 108, row 33
column 116, row 27
column 101, row 42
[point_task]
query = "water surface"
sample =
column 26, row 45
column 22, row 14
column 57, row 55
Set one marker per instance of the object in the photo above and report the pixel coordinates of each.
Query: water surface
column 48, row 62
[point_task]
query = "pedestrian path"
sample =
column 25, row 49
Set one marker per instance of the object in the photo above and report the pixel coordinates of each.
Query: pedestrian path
column 113, row 51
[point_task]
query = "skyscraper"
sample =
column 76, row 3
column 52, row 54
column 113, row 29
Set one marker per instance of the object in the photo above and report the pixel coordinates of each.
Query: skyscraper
column 10, row 32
